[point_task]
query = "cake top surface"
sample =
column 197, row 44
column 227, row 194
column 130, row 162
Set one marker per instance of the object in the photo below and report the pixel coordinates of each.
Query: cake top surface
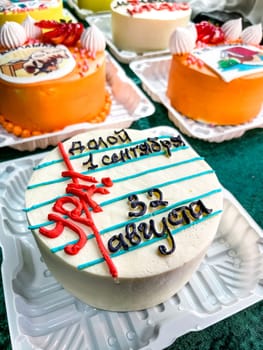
column 36, row 63
column 151, row 9
column 39, row 51
column 152, row 203
column 230, row 51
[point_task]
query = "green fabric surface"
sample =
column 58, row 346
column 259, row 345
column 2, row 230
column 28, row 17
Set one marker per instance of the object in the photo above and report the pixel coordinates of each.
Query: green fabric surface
column 239, row 166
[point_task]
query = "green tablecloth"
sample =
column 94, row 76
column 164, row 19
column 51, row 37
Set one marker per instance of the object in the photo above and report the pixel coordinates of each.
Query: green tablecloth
column 239, row 166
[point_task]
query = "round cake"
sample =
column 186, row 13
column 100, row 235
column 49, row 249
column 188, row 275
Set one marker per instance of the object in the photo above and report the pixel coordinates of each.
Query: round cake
column 141, row 26
column 17, row 11
column 52, row 75
column 123, row 218
column 219, row 81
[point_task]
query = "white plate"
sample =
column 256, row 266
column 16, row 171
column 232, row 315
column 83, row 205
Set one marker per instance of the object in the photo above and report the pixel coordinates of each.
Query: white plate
column 129, row 104
column 102, row 20
column 153, row 73
column 42, row 314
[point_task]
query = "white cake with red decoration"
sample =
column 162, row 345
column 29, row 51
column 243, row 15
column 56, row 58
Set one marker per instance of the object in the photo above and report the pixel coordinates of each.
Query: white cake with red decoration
column 141, row 26
column 123, row 218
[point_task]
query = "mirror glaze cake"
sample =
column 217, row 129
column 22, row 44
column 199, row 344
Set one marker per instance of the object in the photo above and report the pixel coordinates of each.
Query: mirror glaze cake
column 52, row 75
column 216, row 73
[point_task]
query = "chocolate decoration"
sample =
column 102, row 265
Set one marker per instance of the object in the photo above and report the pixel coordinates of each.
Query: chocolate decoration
column 179, row 216
column 159, row 202
column 135, row 203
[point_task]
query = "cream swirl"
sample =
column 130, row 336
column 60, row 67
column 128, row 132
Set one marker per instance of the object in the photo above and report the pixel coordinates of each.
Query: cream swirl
column 182, row 40
column 32, row 31
column 252, row 35
column 93, row 40
column 232, row 29
column 192, row 28
column 12, row 35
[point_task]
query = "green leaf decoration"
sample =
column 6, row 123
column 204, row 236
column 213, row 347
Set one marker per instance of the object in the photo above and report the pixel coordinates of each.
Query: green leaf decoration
column 228, row 63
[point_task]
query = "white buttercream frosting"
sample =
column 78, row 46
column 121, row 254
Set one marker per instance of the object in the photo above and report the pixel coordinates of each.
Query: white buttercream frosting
column 232, row 29
column 182, row 40
column 146, row 276
column 32, row 31
column 252, row 35
column 12, row 35
column 93, row 39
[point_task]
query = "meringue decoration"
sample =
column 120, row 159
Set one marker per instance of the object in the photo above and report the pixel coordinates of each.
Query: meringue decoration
column 182, row 41
column 232, row 29
column 252, row 35
column 93, row 40
column 12, row 35
column 192, row 28
column 32, row 31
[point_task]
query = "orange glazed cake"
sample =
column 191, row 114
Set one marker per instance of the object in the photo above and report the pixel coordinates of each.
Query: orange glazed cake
column 216, row 73
column 52, row 74
column 14, row 10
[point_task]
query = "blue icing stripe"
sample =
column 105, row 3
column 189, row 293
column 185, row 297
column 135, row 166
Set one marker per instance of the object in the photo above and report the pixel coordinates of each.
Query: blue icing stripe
column 141, row 218
column 62, row 179
column 85, row 154
column 148, row 242
column 126, row 195
column 121, row 179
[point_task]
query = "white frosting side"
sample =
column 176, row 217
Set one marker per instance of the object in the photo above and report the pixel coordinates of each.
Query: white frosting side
column 146, row 277
column 93, row 39
column 232, row 29
column 252, row 35
column 32, row 31
column 12, row 35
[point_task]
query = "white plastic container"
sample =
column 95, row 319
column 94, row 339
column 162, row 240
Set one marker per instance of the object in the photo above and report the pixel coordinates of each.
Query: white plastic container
column 42, row 315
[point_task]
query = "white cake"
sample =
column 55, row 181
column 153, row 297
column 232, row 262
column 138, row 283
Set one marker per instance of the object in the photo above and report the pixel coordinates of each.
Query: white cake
column 156, row 207
column 146, row 25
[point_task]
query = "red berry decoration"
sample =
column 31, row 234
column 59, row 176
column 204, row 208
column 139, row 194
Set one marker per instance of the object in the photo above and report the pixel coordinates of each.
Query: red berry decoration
column 66, row 33
column 209, row 33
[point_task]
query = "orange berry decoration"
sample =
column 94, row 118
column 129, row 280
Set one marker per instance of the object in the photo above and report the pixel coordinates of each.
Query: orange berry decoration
column 54, row 32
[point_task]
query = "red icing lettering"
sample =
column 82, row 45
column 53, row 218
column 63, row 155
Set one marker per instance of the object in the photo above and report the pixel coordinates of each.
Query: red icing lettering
column 107, row 181
column 135, row 7
column 79, row 203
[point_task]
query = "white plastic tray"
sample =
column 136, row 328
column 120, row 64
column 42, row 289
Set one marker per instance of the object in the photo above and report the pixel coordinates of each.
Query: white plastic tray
column 129, row 104
column 42, row 315
column 102, row 20
column 153, row 73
